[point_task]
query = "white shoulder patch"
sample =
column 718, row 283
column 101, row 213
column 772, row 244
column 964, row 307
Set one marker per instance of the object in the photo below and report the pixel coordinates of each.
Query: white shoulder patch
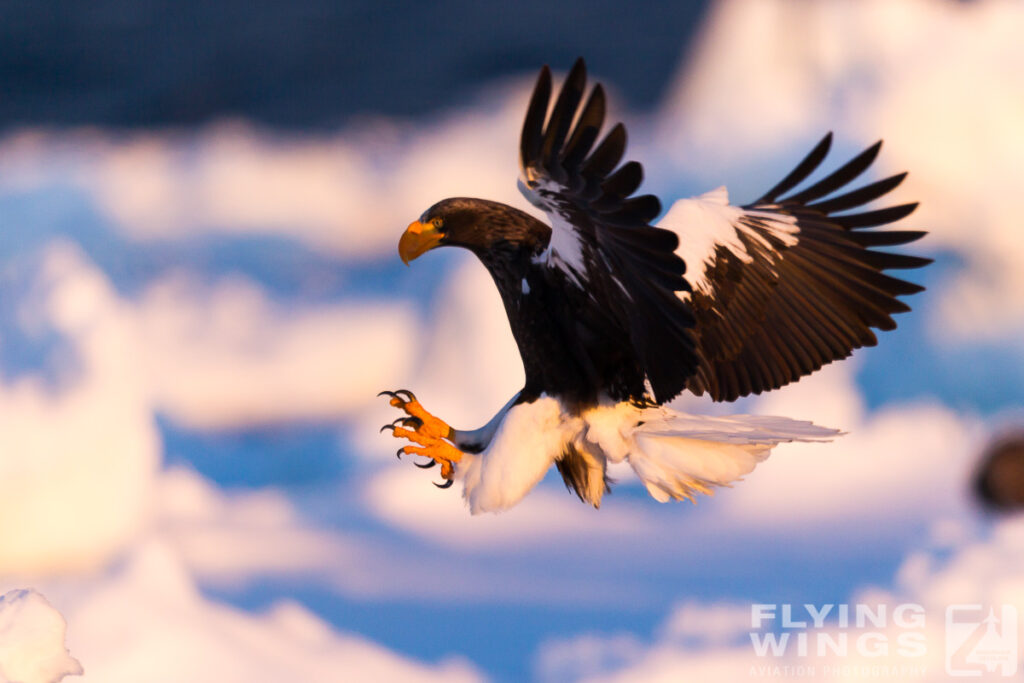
column 707, row 222
column 564, row 252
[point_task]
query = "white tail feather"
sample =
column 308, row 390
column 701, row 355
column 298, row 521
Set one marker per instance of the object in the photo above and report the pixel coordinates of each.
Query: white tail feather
column 677, row 467
column 677, row 455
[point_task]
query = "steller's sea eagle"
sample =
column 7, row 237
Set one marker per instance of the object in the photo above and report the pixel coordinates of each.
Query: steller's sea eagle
column 614, row 317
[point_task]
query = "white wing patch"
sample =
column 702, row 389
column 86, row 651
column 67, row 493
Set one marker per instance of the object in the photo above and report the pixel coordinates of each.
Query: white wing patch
column 707, row 222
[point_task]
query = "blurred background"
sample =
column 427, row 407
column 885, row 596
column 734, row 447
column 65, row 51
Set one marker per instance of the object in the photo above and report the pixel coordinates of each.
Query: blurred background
column 200, row 297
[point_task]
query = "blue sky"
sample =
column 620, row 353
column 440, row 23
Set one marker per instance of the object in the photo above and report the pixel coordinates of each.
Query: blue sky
column 194, row 323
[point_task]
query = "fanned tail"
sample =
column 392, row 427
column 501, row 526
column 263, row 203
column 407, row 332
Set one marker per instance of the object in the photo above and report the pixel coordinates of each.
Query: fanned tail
column 678, row 455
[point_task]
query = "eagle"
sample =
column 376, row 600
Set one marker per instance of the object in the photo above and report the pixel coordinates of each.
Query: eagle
column 615, row 315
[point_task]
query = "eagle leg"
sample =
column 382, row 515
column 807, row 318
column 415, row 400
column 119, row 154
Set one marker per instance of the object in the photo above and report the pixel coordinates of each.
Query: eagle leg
column 429, row 433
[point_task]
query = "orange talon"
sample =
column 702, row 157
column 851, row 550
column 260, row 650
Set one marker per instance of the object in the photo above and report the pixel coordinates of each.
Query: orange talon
column 439, row 450
column 416, row 436
column 428, row 432
column 432, row 426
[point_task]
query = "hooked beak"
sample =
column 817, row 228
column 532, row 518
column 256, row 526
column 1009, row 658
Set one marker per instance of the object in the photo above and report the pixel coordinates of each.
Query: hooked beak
column 417, row 239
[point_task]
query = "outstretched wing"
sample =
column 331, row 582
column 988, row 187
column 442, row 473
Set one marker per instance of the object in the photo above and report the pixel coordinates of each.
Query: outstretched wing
column 602, row 243
column 783, row 286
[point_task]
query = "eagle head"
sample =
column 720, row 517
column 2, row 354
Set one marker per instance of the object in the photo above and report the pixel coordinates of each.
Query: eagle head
column 479, row 225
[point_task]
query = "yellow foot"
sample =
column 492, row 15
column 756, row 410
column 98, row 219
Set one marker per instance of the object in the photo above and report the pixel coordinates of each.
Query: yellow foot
column 420, row 427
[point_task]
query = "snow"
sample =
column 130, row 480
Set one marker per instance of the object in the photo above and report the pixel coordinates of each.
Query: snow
column 32, row 640
column 148, row 621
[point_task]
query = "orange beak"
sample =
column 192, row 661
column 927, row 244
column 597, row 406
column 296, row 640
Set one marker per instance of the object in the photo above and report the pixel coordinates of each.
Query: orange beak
column 417, row 239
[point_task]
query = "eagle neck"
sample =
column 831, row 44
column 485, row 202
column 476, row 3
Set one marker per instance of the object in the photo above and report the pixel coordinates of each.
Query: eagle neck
column 539, row 320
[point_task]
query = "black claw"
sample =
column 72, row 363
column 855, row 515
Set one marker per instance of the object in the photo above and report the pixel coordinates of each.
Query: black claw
column 394, row 423
column 415, row 421
column 447, row 484
column 400, row 452
column 395, row 394
column 427, row 465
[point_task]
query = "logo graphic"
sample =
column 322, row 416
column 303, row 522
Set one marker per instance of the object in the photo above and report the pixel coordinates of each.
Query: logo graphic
column 981, row 641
